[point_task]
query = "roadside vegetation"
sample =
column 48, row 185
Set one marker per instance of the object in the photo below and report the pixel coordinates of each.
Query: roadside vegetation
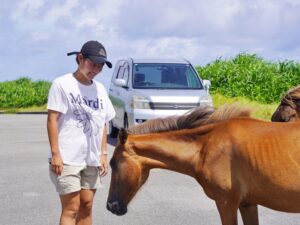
column 23, row 93
column 251, row 77
column 258, row 110
column 246, row 78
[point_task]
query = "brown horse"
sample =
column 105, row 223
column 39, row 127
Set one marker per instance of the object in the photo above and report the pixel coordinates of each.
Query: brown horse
column 289, row 108
column 240, row 162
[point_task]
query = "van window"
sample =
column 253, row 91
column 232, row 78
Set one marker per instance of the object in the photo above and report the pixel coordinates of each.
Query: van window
column 165, row 76
column 123, row 72
column 126, row 73
column 120, row 74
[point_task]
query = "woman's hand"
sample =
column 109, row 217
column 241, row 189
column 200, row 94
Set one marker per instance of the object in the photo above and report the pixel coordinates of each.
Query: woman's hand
column 103, row 165
column 56, row 164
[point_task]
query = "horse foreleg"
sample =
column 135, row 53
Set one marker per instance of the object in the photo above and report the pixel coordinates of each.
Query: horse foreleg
column 228, row 212
column 249, row 214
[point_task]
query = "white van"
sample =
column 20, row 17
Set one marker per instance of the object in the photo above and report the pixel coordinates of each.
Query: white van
column 143, row 89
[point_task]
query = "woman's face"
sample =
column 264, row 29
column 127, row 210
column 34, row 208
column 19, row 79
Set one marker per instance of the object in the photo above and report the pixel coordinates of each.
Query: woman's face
column 89, row 69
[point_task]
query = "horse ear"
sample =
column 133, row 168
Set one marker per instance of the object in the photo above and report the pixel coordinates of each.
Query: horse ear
column 275, row 116
column 122, row 136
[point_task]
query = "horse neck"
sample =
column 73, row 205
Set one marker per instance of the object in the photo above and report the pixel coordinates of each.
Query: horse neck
column 171, row 150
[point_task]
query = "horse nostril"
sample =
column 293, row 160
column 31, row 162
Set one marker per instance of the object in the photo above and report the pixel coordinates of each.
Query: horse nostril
column 113, row 206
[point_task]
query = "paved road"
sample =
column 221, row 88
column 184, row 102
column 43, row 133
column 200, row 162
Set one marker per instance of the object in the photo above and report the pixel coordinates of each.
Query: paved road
column 27, row 197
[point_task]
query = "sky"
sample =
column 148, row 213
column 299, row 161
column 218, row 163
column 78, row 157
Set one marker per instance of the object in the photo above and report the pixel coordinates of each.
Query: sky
column 35, row 35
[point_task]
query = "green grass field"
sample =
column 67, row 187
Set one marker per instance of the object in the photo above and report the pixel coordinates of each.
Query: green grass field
column 259, row 110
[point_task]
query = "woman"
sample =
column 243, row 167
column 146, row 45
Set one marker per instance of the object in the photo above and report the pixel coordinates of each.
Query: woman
column 78, row 109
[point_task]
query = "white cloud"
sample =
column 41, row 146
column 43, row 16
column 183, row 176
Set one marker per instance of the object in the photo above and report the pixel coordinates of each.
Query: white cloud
column 26, row 8
column 100, row 18
column 87, row 22
column 166, row 47
column 199, row 30
column 60, row 11
column 39, row 36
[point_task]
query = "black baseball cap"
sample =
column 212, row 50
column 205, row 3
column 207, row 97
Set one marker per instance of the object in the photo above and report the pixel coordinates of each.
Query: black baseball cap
column 95, row 51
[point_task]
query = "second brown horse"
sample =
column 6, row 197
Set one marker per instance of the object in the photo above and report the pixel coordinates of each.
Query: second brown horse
column 289, row 108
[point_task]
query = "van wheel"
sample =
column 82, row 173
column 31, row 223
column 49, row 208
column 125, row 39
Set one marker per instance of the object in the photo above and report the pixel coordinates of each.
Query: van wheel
column 112, row 131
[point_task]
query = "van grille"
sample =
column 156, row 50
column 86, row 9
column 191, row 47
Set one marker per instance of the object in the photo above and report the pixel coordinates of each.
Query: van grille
column 173, row 106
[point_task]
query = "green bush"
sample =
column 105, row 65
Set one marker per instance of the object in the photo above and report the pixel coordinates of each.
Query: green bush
column 251, row 77
column 23, row 93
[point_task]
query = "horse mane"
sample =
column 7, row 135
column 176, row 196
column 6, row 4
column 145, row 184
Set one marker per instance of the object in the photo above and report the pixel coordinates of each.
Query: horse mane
column 291, row 97
column 197, row 117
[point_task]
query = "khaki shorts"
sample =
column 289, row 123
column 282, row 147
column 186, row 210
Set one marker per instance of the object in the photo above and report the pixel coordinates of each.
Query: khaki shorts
column 75, row 178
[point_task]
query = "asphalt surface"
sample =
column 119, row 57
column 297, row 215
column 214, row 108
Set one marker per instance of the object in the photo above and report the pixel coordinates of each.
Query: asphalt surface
column 27, row 196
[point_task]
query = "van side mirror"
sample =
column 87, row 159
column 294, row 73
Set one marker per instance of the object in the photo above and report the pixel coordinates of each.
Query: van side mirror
column 120, row 83
column 206, row 84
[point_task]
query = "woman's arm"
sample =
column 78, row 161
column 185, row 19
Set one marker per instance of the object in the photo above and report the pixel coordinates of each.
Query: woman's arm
column 52, row 127
column 103, row 159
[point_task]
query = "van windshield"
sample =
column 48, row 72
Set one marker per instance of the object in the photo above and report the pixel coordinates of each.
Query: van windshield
column 165, row 76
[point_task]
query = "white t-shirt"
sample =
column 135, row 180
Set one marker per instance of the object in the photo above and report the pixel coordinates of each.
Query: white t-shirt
column 84, row 112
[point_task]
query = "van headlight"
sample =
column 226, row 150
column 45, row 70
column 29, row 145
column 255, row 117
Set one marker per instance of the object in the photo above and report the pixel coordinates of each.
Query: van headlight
column 140, row 102
column 206, row 100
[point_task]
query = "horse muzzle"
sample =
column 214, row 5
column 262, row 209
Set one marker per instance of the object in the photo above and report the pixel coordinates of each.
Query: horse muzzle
column 116, row 208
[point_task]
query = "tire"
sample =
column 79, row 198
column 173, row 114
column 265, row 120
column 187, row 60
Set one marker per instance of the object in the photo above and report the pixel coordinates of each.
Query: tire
column 112, row 131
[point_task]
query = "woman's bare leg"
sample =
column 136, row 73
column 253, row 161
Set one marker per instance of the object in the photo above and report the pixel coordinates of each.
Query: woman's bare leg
column 70, row 207
column 84, row 216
